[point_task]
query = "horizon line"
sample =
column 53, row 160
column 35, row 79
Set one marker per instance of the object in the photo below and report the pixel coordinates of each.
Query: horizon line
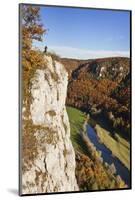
column 77, row 53
column 84, row 54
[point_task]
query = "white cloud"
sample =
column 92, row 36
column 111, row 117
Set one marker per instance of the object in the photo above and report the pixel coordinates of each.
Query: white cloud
column 70, row 52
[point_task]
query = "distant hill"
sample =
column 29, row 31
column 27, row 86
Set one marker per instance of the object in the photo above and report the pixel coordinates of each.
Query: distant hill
column 72, row 64
column 102, row 86
column 111, row 68
column 122, row 92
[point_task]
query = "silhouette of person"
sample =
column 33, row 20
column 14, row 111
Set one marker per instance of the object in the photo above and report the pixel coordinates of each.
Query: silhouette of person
column 45, row 49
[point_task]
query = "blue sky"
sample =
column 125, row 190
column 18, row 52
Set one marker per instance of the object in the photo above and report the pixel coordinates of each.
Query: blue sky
column 86, row 33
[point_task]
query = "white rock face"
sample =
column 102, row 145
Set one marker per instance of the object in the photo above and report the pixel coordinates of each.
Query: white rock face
column 53, row 169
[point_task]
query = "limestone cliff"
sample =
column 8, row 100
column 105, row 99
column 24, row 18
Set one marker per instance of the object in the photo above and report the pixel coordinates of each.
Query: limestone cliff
column 53, row 168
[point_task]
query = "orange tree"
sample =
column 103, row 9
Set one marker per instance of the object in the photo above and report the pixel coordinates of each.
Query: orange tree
column 31, row 59
column 31, row 29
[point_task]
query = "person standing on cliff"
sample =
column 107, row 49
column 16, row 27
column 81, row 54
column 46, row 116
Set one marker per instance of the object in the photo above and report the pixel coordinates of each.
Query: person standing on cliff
column 45, row 49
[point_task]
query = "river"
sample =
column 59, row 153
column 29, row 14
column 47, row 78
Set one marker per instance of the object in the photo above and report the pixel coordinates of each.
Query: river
column 107, row 156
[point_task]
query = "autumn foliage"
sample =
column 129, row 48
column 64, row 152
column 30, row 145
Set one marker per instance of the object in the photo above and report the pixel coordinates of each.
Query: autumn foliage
column 31, row 60
column 108, row 95
column 31, row 29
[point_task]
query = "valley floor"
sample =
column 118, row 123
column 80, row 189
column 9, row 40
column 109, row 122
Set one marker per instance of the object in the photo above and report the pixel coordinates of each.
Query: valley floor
column 120, row 148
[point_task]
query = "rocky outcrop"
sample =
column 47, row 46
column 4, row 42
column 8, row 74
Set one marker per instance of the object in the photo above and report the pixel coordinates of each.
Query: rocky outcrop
column 53, row 169
column 111, row 68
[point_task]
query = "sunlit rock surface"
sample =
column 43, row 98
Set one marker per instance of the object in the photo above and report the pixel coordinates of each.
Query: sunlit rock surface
column 53, row 169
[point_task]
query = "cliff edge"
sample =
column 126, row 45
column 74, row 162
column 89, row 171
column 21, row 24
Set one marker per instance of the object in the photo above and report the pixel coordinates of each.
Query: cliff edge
column 53, row 167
